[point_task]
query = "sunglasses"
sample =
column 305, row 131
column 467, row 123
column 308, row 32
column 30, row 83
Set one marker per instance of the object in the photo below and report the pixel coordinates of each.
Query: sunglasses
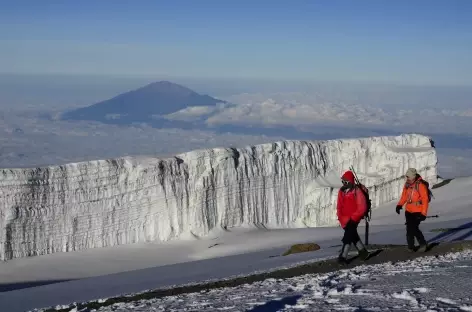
column 345, row 182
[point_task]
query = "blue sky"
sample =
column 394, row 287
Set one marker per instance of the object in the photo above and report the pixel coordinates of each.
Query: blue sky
column 420, row 42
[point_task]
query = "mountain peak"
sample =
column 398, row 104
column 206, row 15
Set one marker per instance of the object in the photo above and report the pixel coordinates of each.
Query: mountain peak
column 168, row 88
column 140, row 105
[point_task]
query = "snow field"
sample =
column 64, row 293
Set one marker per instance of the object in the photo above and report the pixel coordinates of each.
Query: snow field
column 238, row 252
column 424, row 284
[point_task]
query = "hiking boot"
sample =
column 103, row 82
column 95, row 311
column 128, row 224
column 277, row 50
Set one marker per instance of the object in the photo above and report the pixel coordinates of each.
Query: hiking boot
column 342, row 260
column 363, row 254
column 411, row 249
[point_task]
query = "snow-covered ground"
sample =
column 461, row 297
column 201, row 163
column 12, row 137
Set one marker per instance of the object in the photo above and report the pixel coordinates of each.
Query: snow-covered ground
column 423, row 284
column 135, row 268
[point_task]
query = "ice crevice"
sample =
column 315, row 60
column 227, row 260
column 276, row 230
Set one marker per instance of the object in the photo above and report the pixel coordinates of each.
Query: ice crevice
column 137, row 199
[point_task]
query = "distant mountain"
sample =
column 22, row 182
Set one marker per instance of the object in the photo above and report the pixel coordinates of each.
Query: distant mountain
column 143, row 104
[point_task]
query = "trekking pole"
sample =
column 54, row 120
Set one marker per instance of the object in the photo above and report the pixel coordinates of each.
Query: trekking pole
column 355, row 175
column 435, row 216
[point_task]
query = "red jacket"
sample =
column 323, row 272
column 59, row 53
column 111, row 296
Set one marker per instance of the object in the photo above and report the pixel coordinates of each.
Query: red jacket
column 351, row 205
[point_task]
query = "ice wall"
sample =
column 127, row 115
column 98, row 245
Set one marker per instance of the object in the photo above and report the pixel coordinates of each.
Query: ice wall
column 121, row 201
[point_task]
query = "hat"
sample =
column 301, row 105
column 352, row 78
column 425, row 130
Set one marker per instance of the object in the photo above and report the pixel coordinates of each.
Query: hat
column 348, row 176
column 411, row 173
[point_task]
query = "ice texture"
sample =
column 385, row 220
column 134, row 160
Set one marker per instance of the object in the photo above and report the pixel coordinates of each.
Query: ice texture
column 137, row 199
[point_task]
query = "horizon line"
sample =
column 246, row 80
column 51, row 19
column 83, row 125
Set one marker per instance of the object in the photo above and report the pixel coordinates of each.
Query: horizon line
column 301, row 80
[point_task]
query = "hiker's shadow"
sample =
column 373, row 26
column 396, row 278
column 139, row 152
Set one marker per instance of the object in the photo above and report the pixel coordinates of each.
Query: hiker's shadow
column 432, row 245
column 449, row 232
column 371, row 255
column 276, row 305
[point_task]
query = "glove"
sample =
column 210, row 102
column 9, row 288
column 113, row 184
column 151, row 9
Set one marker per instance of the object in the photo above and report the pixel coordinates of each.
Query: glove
column 398, row 208
column 421, row 217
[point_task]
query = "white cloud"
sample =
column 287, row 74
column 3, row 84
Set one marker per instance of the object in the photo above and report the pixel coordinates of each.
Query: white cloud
column 191, row 113
column 302, row 109
column 292, row 112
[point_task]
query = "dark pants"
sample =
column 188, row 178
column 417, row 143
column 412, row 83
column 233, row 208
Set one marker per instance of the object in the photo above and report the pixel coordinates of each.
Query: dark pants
column 412, row 229
column 350, row 233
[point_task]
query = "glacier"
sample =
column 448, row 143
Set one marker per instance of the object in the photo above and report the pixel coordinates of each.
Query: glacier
column 140, row 199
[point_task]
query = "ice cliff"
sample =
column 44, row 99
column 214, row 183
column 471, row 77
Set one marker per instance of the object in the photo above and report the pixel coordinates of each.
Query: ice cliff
column 127, row 200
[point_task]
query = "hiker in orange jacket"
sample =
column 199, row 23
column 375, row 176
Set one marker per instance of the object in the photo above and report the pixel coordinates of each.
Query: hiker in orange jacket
column 415, row 199
column 351, row 208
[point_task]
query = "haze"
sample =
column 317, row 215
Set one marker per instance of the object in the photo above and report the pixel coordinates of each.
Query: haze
column 294, row 70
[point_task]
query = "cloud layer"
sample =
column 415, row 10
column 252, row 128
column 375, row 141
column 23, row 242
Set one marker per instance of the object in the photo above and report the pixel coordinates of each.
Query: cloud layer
column 302, row 110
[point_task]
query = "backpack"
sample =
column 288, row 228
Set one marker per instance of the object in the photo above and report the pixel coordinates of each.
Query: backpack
column 430, row 193
column 365, row 191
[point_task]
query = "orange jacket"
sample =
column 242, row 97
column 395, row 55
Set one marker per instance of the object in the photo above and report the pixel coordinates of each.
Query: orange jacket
column 415, row 196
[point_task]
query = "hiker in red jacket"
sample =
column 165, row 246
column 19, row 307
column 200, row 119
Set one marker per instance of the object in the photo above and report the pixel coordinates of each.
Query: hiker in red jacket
column 351, row 208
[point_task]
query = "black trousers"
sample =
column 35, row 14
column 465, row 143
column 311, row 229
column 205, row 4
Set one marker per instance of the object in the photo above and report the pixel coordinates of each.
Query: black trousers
column 412, row 229
column 350, row 233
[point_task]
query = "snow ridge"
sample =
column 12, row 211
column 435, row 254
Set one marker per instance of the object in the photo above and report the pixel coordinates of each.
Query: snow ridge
column 136, row 199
